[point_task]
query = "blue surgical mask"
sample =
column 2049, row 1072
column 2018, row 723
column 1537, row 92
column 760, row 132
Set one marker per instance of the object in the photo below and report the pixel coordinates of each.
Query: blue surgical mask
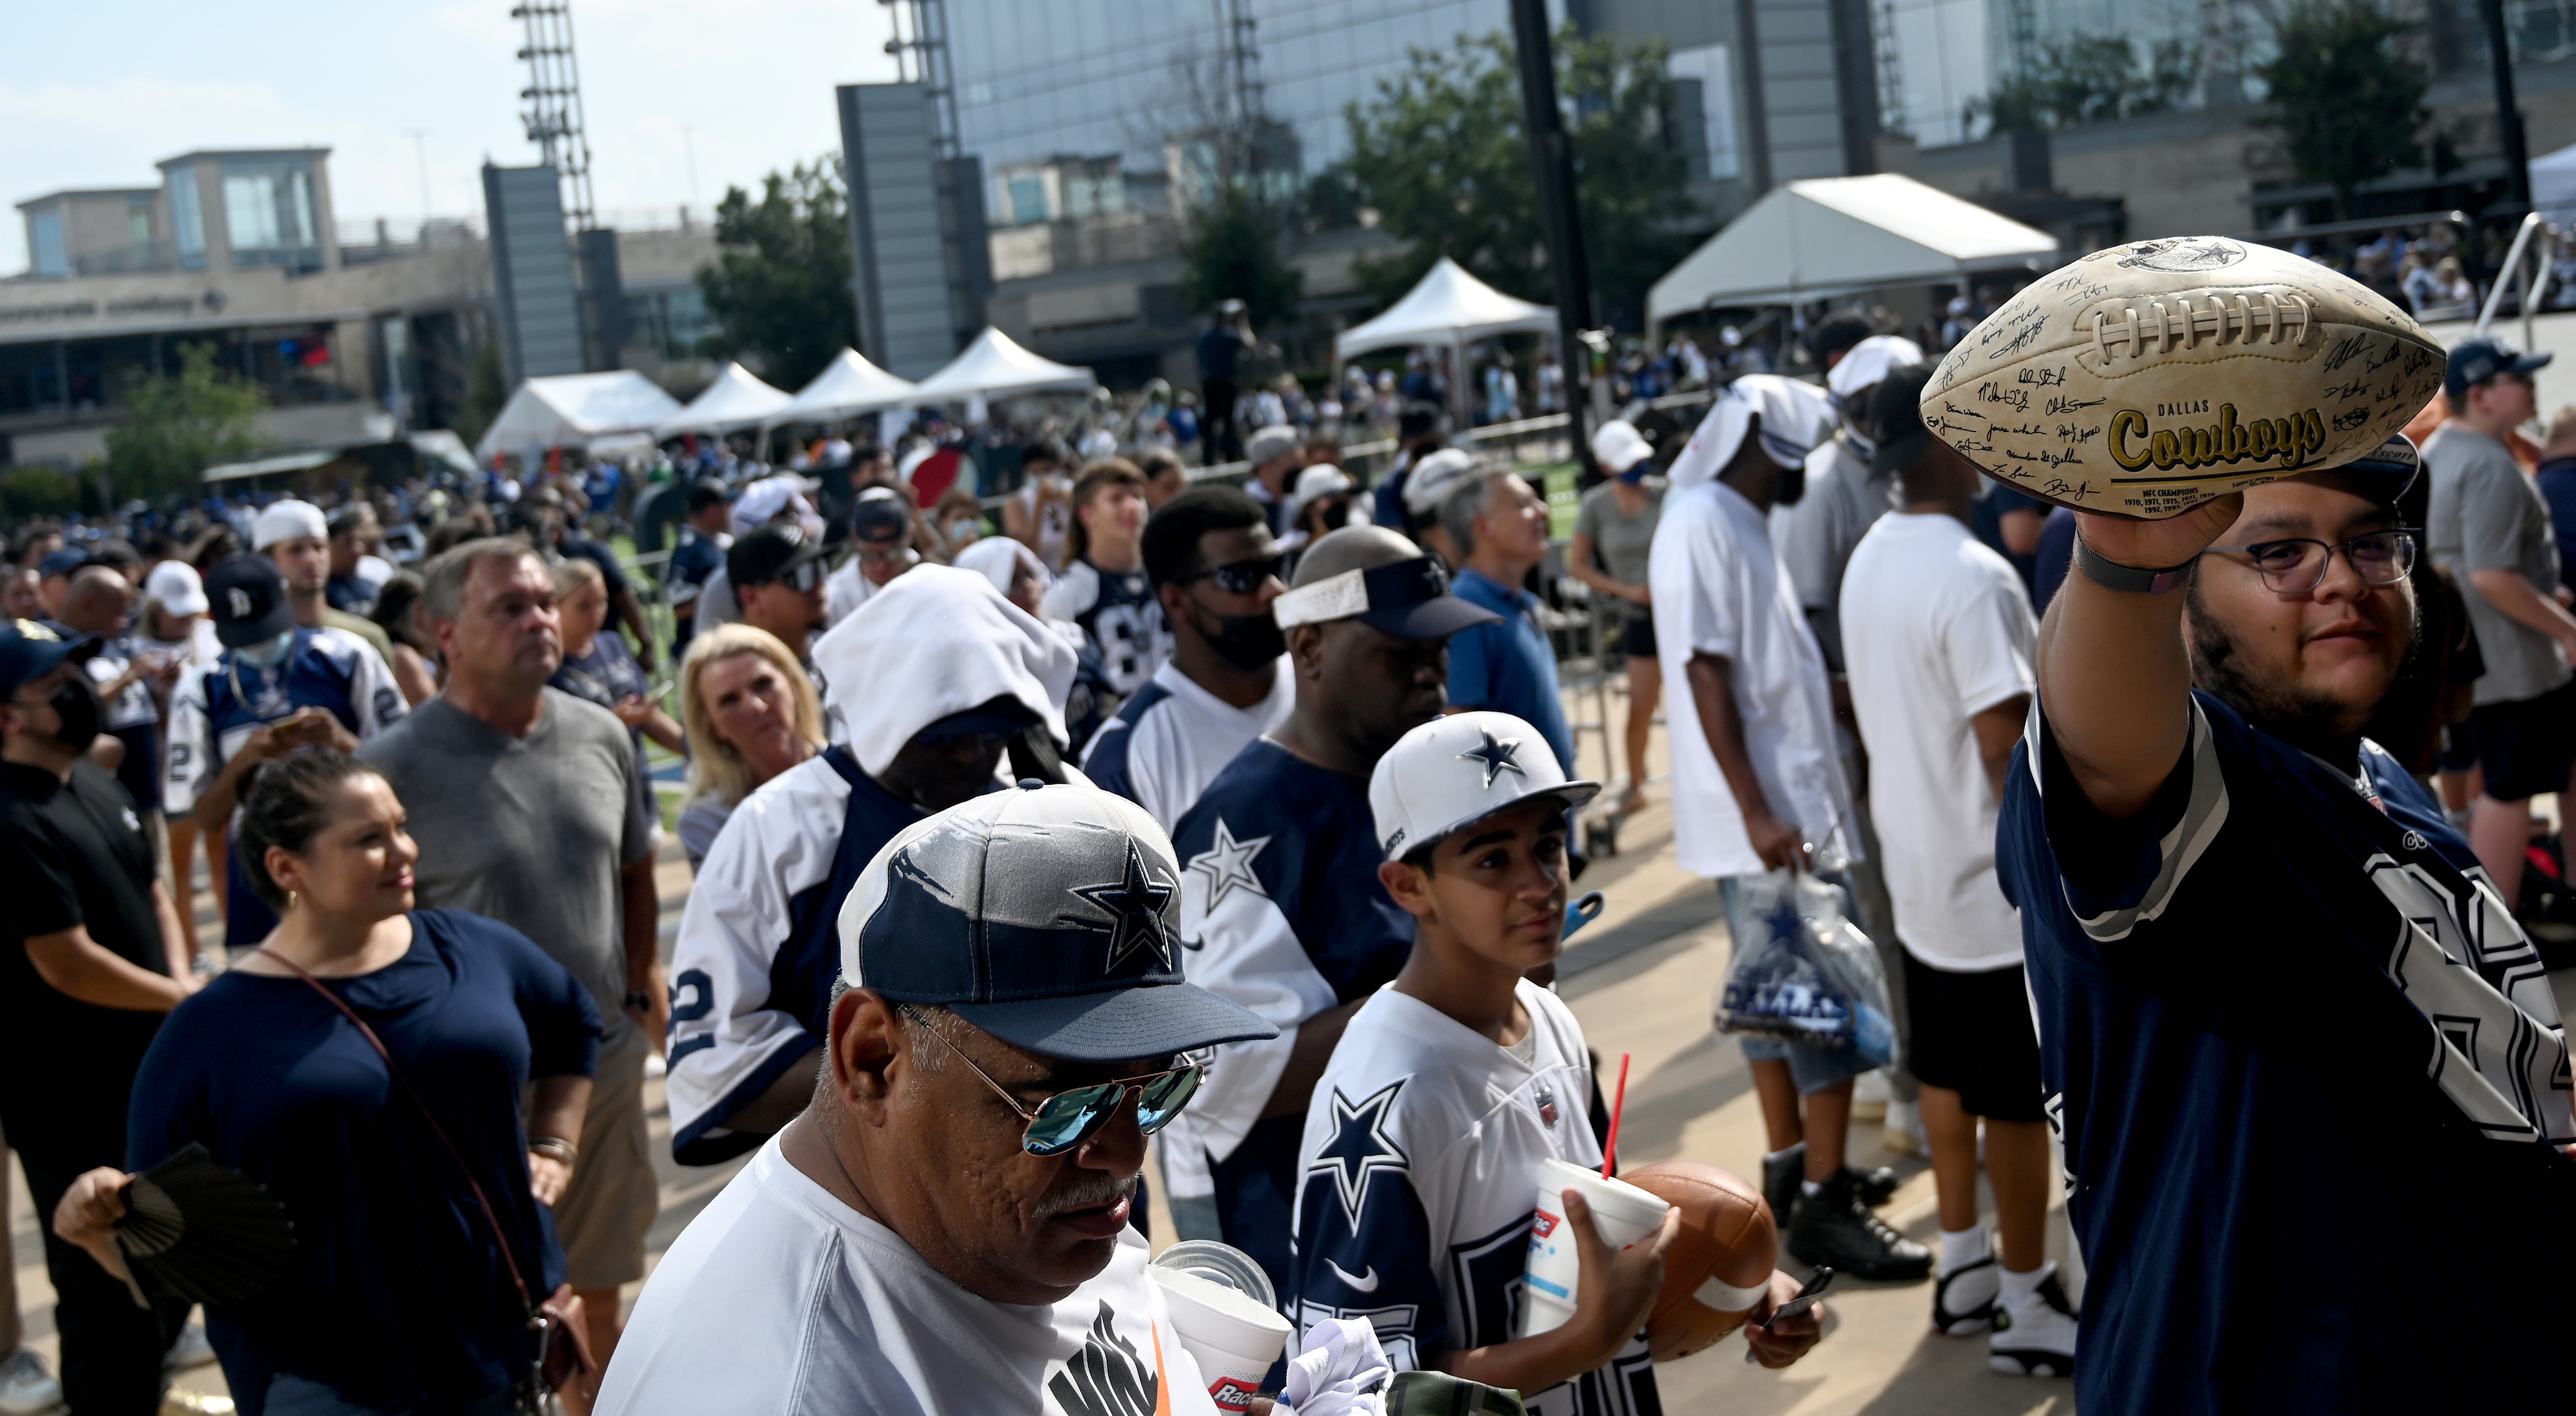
column 270, row 654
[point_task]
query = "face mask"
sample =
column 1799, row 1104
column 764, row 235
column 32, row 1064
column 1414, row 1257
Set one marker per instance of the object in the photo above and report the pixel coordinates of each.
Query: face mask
column 1247, row 641
column 270, row 654
column 1793, row 486
column 1637, row 473
column 76, row 703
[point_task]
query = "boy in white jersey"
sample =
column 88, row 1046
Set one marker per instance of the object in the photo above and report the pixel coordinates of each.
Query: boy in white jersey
column 1422, row 1151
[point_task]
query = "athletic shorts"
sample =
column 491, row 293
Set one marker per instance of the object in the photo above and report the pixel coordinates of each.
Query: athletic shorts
column 2525, row 746
column 614, row 1196
column 2459, row 749
column 1637, row 640
column 1973, row 1034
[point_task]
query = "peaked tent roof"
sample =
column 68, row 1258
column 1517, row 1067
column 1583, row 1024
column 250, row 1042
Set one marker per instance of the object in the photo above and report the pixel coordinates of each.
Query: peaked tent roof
column 847, row 385
column 1446, row 306
column 2553, row 181
column 737, row 399
column 1815, row 239
column 995, row 366
column 574, row 408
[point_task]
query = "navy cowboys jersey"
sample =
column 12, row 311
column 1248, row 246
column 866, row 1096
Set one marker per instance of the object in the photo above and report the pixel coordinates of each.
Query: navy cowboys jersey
column 1280, row 896
column 1124, row 639
column 216, row 707
column 1417, row 1184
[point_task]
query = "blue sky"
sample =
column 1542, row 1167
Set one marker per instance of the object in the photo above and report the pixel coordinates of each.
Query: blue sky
column 92, row 94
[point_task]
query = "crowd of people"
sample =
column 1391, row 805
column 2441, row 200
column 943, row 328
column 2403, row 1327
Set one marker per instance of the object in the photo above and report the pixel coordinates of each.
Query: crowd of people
column 1258, row 802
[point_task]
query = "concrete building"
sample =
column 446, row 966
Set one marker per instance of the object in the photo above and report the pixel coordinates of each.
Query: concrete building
column 354, row 332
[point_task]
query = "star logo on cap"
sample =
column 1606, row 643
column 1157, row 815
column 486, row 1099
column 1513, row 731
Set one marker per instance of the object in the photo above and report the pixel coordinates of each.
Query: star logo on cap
column 1359, row 1146
column 1135, row 905
column 1497, row 755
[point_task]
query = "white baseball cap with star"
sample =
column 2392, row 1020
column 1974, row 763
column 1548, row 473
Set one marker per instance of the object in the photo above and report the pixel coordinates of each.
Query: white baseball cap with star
column 1457, row 770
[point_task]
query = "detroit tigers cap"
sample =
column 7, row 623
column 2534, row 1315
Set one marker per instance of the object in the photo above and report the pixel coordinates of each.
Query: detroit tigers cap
column 247, row 597
column 1458, row 770
column 1049, row 917
column 31, row 650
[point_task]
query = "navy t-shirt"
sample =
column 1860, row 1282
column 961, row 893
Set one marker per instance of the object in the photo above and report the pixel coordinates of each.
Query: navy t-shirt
column 2309, row 1075
column 397, row 1297
column 2557, row 481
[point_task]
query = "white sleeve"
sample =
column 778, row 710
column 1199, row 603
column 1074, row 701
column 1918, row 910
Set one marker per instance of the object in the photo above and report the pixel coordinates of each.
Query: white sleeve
column 373, row 691
column 724, row 1036
column 189, row 761
column 1075, row 591
column 1698, row 602
column 1991, row 644
column 1247, row 953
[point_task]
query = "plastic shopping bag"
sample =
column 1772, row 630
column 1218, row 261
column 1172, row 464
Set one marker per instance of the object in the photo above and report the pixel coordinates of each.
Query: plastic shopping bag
column 1806, row 976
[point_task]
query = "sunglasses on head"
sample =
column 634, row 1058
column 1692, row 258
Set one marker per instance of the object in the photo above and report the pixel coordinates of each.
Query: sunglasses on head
column 1067, row 1119
column 1244, row 577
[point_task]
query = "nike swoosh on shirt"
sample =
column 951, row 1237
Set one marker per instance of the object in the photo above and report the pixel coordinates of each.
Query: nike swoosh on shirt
column 1366, row 1283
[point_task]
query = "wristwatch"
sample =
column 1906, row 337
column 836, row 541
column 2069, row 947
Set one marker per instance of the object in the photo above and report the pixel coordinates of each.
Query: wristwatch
column 2134, row 580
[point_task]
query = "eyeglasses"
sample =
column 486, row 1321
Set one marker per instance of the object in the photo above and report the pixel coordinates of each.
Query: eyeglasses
column 1243, row 577
column 2298, row 566
column 1068, row 1118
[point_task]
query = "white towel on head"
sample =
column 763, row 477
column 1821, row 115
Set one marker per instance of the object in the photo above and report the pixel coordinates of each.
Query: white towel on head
column 1870, row 361
column 937, row 640
column 998, row 559
column 1795, row 417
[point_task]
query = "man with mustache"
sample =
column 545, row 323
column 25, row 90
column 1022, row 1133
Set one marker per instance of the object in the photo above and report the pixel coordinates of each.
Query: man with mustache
column 1281, row 890
column 1215, row 570
column 945, row 1227
column 2254, row 945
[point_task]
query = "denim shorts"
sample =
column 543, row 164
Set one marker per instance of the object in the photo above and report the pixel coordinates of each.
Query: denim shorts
column 1813, row 1068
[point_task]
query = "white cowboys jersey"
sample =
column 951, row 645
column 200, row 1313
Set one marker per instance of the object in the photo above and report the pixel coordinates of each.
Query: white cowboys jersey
column 1417, row 1184
column 1171, row 739
column 1122, row 624
column 215, row 707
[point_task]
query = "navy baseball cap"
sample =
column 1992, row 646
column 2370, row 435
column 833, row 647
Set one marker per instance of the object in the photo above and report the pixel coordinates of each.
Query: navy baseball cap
column 63, row 562
column 247, row 597
column 2387, row 470
column 880, row 514
column 1048, row 916
column 2474, row 361
column 770, row 554
column 1409, row 599
column 31, row 650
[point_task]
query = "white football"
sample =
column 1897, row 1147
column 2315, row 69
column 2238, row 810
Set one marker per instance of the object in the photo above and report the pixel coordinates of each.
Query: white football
column 2149, row 377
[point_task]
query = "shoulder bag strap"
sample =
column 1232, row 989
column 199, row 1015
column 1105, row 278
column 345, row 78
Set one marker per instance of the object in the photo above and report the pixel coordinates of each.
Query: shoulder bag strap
column 490, row 1218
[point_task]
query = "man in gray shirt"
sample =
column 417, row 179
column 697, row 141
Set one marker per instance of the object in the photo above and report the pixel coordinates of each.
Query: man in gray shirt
column 2489, row 526
column 528, row 809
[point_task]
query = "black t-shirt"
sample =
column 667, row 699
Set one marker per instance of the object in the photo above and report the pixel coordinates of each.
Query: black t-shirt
column 71, row 853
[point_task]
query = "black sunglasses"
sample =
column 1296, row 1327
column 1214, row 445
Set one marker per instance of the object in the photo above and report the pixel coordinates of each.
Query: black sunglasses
column 802, row 578
column 1242, row 577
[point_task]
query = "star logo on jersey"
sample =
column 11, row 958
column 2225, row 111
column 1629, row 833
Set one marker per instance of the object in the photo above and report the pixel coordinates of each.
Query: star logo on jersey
column 1227, row 864
column 1496, row 756
column 1135, row 905
column 1359, row 1147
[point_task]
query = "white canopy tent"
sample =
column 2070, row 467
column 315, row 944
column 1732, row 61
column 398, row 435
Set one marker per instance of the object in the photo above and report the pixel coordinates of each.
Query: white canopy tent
column 1446, row 307
column 1826, row 236
column 995, row 366
column 848, row 386
column 573, row 409
column 2553, row 184
column 737, row 399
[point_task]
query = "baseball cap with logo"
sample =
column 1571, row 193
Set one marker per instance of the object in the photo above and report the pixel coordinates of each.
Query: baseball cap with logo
column 1618, row 446
column 31, row 650
column 2474, row 361
column 1409, row 599
column 771, row 554
column 2388, row 469
column 1454, row 771
column 288, row 520
column 881, row 514
column 1047, row 916
column 247, row 597
column 174, row 586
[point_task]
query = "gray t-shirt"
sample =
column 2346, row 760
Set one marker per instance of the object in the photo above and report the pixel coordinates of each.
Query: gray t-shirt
column 1624, row 541
column 1842, row 502
column 529, row 831
column 2486, row 515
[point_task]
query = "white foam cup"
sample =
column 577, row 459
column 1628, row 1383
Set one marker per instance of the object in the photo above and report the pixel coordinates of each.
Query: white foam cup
column 1233, row 1338
column 1622, row 1212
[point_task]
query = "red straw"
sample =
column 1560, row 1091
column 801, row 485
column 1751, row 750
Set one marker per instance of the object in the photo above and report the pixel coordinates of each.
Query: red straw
column 1618, row 1100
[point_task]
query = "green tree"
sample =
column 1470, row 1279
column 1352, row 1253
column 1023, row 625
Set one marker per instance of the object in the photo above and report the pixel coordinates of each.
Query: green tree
column 779, row 291
column 2343, row 94
column 2089, row 78
column 179, row 426
column 1233, row 254
column 1442, row 156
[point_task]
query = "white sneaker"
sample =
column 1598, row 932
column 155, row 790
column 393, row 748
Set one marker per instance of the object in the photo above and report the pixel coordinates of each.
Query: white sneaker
column 191, row 1350
column 1871, row 1093
column 27, row 1385
column 1904, row 1129
column 2035, row 1337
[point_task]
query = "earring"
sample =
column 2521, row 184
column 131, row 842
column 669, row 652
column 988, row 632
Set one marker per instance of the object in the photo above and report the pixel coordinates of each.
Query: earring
column 292, row 899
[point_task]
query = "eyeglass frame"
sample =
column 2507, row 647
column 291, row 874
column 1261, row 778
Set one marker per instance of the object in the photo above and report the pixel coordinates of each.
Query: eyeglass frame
column 2409, row 538
column 1137, row 1084
column 1276, row 561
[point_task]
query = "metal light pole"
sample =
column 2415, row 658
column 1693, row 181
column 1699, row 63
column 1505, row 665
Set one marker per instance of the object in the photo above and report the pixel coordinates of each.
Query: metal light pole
column 2517, row 158
column 1552, row 161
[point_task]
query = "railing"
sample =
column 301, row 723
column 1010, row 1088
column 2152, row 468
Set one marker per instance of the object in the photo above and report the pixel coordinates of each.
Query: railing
column 2532, row 284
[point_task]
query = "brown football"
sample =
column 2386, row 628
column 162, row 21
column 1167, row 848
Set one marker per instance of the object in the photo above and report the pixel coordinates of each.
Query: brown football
column 1721, row 1262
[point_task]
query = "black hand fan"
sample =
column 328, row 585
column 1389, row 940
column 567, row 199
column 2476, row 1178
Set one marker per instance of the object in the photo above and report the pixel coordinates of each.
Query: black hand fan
column 201, row 1231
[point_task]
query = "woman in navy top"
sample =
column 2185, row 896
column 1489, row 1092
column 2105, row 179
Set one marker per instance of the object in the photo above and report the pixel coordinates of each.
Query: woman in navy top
column 398, row 1299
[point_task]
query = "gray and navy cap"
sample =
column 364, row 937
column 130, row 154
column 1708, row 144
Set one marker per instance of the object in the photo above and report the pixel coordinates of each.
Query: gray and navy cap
column 1049, row 917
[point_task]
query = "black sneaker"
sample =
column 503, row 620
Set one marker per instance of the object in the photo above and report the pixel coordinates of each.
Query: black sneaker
column 1873, row 1186
column 1781, row 1178
column 1963, row 1302
column 2038, row 1338
column 1835, row 1228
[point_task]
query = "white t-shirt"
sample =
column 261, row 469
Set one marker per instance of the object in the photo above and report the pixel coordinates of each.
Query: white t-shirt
column 845, row 591
column 1172, row 738
column 1721, row 589
column 1936, row 629
column 782, row 1300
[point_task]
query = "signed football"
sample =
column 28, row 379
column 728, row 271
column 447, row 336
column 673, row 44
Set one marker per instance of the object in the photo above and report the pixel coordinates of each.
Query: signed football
column 2151, row 376
column 1720, row 1264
